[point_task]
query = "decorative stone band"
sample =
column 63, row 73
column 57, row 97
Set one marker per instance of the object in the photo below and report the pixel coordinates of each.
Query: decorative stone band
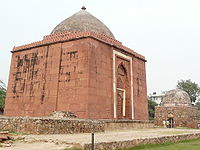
column 67, row 36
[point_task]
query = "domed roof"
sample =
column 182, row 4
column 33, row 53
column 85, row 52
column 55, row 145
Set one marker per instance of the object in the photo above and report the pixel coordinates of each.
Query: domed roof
column 176, row 97
column 82, row 21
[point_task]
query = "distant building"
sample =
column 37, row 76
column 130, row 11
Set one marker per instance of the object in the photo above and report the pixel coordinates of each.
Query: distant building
column 176, row 109
column 156, row 97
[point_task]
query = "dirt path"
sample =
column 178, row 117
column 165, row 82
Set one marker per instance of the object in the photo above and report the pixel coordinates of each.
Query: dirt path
column 59, row 142
column 35, row 146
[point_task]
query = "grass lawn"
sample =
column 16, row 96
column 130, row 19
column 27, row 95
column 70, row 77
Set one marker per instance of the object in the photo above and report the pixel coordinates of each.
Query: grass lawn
column 183, row 145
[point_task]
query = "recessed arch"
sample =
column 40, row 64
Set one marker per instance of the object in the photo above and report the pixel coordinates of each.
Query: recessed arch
column 121, row 70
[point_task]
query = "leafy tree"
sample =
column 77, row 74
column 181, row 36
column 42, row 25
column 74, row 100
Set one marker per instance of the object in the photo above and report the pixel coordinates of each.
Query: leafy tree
column 197, row 104
column 151, row 108
column 2, row 95
column 191, row 88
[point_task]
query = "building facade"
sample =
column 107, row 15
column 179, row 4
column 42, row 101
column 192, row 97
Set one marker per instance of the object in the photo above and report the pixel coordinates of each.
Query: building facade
column 81, row 68
column 157, row 97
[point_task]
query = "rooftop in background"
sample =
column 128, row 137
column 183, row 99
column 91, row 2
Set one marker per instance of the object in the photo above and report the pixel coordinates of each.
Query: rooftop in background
column 157, row 97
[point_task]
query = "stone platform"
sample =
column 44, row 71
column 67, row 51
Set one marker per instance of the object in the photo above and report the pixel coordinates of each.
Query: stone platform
column 53, row 125
column 106, row 140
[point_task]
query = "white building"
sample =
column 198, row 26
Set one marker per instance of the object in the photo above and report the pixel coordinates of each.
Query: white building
column 157, row 97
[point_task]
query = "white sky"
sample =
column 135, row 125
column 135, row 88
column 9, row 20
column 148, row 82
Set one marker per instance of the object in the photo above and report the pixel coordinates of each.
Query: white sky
column 166, row 32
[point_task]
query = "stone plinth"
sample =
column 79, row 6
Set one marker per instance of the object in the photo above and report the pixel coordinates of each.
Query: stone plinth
column 50, row 125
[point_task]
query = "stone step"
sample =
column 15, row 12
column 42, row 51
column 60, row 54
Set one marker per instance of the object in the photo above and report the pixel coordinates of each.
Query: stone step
column 4, row 135
column 4, row 132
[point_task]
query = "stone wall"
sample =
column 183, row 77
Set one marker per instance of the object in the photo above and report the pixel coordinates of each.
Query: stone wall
column 50, row 125
column 127, row 124
column 53, row 125
column 183, row 116
column 194, row 122
column 136, row 142
column 49, row 78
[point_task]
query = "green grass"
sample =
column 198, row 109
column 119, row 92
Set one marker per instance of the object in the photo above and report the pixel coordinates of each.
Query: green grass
column 183, row 145
column 14, row 133
column 193, row 144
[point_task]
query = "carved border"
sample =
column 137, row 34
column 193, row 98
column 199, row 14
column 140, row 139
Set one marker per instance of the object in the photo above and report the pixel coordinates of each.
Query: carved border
column 114, row 81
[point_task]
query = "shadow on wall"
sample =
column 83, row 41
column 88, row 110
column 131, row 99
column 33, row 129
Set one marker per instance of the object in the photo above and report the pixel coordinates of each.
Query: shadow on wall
column 1, row 111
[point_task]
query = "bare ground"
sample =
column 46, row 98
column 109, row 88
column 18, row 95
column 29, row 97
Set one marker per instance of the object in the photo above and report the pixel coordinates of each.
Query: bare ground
column 62, row 141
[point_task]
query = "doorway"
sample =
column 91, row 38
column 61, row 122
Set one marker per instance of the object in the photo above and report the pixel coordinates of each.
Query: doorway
column 121, row 103
column 171, row 123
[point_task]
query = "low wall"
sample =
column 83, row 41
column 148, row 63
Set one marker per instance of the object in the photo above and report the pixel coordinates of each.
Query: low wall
column 33, row 125
column 127, row 124
column 136, row 142
column 49, row 125
column 194, row 122
column 183, row 116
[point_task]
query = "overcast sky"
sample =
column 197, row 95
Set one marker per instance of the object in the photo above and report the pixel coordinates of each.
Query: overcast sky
column 166, row 32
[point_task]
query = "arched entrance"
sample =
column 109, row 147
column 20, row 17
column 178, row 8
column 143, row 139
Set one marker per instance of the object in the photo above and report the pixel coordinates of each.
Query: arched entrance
column 122, row 81
column 170, row 120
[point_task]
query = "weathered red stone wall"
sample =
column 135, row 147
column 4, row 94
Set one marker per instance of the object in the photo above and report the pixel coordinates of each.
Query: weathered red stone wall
column 30, row 74
column 74, row 76
column 140, row 90
column 100, row 100
column 49, row 78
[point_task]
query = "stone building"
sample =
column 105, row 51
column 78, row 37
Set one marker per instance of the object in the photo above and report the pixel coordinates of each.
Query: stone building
column 176, row 107
column 81, row 68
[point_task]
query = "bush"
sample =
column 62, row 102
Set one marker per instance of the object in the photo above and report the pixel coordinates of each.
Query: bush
column 2, row 95
column 151, row 107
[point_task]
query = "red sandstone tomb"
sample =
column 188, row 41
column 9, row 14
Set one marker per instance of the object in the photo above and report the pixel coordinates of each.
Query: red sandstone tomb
column 81, row 68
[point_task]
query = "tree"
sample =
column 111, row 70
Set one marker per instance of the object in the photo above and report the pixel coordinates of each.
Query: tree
column 151, row 108
column 2, row 95
column 191, row 88
column 197, row 104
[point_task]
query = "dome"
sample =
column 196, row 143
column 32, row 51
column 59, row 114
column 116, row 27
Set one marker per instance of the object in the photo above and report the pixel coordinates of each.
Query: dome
column 82, row 21
column 176, row 97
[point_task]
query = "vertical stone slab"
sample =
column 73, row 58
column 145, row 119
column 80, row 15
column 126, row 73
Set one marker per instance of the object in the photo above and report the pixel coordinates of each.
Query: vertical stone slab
column 100, row 104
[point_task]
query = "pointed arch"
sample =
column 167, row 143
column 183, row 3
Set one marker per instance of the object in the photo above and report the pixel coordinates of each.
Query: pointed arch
column 121, row 70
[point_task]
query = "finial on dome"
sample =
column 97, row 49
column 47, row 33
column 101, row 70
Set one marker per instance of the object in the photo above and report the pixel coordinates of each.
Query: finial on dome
column 83, row 8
